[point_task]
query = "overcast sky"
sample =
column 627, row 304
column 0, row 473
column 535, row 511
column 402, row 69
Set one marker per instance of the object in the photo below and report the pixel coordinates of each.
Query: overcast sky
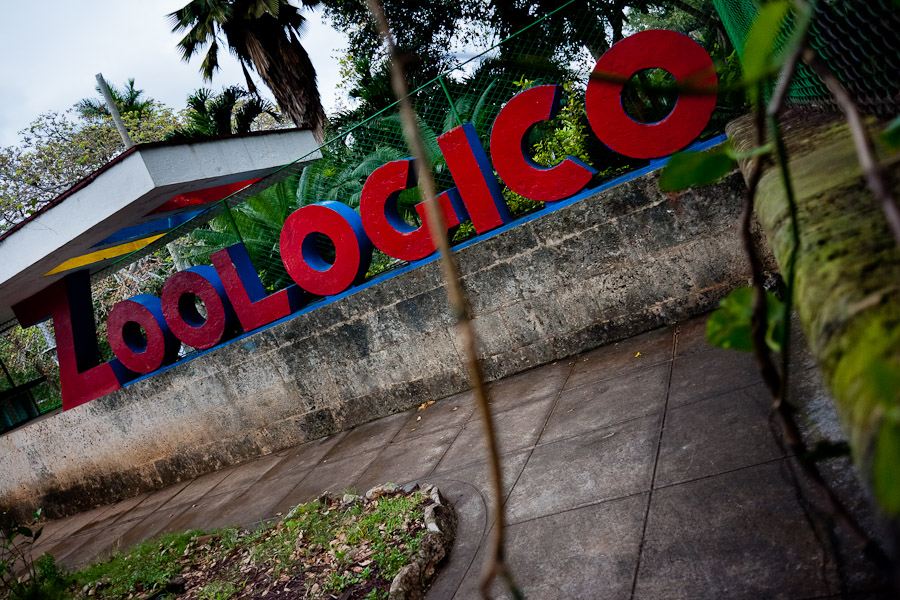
column 52, row 50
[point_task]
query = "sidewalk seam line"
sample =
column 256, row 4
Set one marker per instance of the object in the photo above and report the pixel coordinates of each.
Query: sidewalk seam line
column 662, row 428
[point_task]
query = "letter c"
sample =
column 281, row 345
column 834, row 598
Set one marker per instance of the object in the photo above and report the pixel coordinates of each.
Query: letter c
column 510, row 154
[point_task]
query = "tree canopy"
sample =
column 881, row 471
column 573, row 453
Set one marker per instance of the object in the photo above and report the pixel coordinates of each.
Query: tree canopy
column 232, row 111
column 265, row 37
column 128, row 100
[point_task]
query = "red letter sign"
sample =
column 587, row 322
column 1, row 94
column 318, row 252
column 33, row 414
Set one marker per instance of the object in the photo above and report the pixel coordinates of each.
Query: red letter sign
column 248, row 296
column 141, row 353
column 353, row 250
column 509, row 138
column 68, row 303
column 474, row 177
column 185, row 321
column 678, row 54
column 382, row 220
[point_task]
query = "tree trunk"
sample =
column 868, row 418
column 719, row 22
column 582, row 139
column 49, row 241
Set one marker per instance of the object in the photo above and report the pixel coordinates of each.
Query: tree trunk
column 847, row 289
column 283, row 63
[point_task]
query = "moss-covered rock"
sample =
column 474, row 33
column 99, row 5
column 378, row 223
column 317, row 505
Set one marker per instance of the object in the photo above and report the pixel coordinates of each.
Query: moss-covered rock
column 847, row 289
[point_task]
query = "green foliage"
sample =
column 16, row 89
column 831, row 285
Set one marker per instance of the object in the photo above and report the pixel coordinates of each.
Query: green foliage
column 58, row 150
column 27, row 357
column 731, row 102
column 147, row 566
column 128, row 101
column 218, row 590
column 42, row 579
column 381, row 263
column 884, row 463
column 886, row 379
column 729, row 326
column 259, row 221
column 232, row 111
column 564, row 135
column 263, row 35
column 891, row 135
column 431, row 27
column 689, row 169
column 316, row 542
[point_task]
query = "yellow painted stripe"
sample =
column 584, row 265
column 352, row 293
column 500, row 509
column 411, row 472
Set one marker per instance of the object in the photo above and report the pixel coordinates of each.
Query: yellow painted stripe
column 93, row 257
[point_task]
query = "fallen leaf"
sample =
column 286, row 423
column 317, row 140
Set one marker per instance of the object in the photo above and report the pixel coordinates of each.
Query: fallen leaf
column 419, row 418
column 425, row 405
column 638, row 354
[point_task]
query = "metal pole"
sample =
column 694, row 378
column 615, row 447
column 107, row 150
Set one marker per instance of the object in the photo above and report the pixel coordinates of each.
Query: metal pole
column 114, row 111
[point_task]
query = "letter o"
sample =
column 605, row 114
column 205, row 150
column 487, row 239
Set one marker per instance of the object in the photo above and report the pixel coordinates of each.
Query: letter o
column 302, row 260
column 135, row 351
column 182, row 315
column 674, row 52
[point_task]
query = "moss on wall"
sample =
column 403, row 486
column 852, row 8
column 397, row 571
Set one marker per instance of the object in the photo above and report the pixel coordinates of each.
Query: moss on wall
column 847, row 289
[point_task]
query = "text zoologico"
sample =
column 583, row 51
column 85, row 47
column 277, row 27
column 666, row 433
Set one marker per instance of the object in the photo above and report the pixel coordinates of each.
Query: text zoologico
column 234, row 298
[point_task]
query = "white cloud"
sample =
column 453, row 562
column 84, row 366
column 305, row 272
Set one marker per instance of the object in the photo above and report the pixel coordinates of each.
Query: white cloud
column 51, row 51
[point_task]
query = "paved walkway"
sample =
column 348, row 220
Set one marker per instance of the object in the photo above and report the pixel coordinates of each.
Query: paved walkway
column 644, row 469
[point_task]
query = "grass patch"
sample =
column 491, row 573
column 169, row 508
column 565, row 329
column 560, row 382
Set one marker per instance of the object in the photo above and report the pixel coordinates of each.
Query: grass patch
column 322, row 549
column 148, row 566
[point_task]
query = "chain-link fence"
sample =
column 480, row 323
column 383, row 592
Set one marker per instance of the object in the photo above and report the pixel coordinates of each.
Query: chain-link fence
column 559, row 47
column 859, row 40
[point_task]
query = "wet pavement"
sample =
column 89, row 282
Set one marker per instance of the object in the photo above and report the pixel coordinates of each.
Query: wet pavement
column 643, row 469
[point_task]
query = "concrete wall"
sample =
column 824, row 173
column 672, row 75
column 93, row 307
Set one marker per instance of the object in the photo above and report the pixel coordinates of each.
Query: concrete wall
column 608, row 266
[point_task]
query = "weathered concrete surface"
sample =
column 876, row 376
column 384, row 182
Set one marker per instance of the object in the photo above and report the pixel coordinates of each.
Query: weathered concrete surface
column 847, row 292
column 614, row 488
column 615, row 264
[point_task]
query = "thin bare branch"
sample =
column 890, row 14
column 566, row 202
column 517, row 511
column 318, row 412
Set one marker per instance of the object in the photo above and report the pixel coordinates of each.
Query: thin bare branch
column 496, row 562
column 758, row 320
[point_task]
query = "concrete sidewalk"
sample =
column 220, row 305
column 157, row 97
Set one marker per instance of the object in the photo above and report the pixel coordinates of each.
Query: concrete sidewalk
column 645, row 469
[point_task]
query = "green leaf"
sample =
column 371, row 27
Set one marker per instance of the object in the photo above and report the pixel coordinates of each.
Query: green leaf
column 730, row 325
column 891, row 135
column 886, row 379
column 730, row 151
column 884, row 467
column 760, row 43
column 689, row 169
column 25, row 531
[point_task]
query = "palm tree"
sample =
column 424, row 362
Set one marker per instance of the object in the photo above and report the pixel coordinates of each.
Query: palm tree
column 264, row 36
column 232, row 111
column 128, row 99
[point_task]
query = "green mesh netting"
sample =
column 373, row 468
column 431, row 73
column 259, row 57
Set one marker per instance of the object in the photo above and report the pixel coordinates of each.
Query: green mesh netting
column 858, row 39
